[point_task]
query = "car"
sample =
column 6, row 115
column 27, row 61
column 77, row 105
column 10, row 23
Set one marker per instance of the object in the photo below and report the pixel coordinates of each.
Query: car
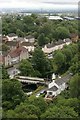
column 59, row 76
column 71, row 74
column 42, row 92
column 38, row 95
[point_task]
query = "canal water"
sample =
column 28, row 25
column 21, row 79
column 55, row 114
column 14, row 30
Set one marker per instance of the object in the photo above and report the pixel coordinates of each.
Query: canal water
column 29, row 87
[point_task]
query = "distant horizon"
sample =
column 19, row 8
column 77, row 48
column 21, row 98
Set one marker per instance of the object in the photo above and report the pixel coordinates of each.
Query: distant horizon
column 36, row 3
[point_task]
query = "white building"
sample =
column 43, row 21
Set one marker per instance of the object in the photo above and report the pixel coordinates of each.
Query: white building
column 49, row 48
column 11, row 36
column 55, row 18
column 30, row 39
column 56, row 86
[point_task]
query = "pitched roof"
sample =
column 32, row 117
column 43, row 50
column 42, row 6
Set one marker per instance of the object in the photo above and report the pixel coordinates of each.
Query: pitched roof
column 12, row 35
column 11, row 43
column 62, row 80
column 17, row 52
column 21, row 39
column 53, row 44
column 54, row 88
column 29, row 37
column 67, row 40
column 27, row 44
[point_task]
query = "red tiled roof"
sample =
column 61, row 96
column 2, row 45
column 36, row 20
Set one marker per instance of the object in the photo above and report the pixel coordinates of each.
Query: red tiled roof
column 17, row 52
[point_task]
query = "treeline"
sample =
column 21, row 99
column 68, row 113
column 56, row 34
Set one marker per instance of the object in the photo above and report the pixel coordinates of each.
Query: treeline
column 67, row 105
column 62, row 61
column 43, row 29
column 17, row 105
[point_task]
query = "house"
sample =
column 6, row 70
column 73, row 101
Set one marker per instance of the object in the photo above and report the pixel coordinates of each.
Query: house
column 20, row 40
column 29, row 46
column 30, row 39
column 4, row 39
column 51, row 47
column 74, row 37
column 15, row 56
column 69, row 18
column 11, row 36
column 55, row 18
column 12, row 44
column 57, row 86
column 12, row 71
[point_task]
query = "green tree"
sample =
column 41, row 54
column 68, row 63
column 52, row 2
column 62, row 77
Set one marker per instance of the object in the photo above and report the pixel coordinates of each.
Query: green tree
column 41, row 63
column 41, row 39
column 26, row 68
column 4, row 73
column 74, row 86
column 59, row 112
column 24, row 111
column 19, row 33
column 62, row 33
column 59, row 60
column 5, row 48
column 68, row 54
column 39, row 102
column 12, row 93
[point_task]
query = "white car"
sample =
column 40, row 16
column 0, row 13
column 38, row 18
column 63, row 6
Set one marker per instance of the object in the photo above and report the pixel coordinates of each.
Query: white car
column 59, row 76
column 38, row 95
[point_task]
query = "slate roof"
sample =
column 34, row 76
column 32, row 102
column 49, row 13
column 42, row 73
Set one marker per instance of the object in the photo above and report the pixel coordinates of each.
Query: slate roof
column 11, row 43
column 27, row 44
column 62, row 80
column 55, row 43
column 54, row 88
column 29, row 37
column 12, row 35
column 20, row 39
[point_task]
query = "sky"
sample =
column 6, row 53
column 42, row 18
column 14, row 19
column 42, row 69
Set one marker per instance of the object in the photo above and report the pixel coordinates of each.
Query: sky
column 35, row 3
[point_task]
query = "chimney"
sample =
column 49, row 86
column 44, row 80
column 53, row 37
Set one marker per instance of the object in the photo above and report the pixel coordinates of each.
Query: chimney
column 18, row 45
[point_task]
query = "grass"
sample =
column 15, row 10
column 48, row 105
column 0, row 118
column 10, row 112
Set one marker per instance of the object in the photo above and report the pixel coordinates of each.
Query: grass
column 38, row 89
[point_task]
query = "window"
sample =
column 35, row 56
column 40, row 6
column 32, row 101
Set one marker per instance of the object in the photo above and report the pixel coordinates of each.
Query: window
column 50, row 93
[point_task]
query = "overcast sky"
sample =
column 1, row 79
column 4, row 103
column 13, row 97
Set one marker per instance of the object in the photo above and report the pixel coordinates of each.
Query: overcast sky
column 34, row 3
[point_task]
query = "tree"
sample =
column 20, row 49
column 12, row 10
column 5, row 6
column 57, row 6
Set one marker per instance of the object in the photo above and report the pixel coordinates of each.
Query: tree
column 38, row 102
column 41, row 63
column 61, row 33
column 59, row 112
column 74, row 86
column 4, row 73
column 28, row 20
column 24, row 110
column 68, row 54
column 26, row 68
column 46, row 29
column 41, row 39
column 5, row 47
column 59, row 60
column 12, row 93
column 19, row 33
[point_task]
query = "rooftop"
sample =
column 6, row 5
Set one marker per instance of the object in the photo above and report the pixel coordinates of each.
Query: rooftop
column 11, row 43
column 62, row 80
column 55, row 18
column 12, row 35
column 27, row 44
column 54, row 88
column 29, row 37
column 17, row 51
